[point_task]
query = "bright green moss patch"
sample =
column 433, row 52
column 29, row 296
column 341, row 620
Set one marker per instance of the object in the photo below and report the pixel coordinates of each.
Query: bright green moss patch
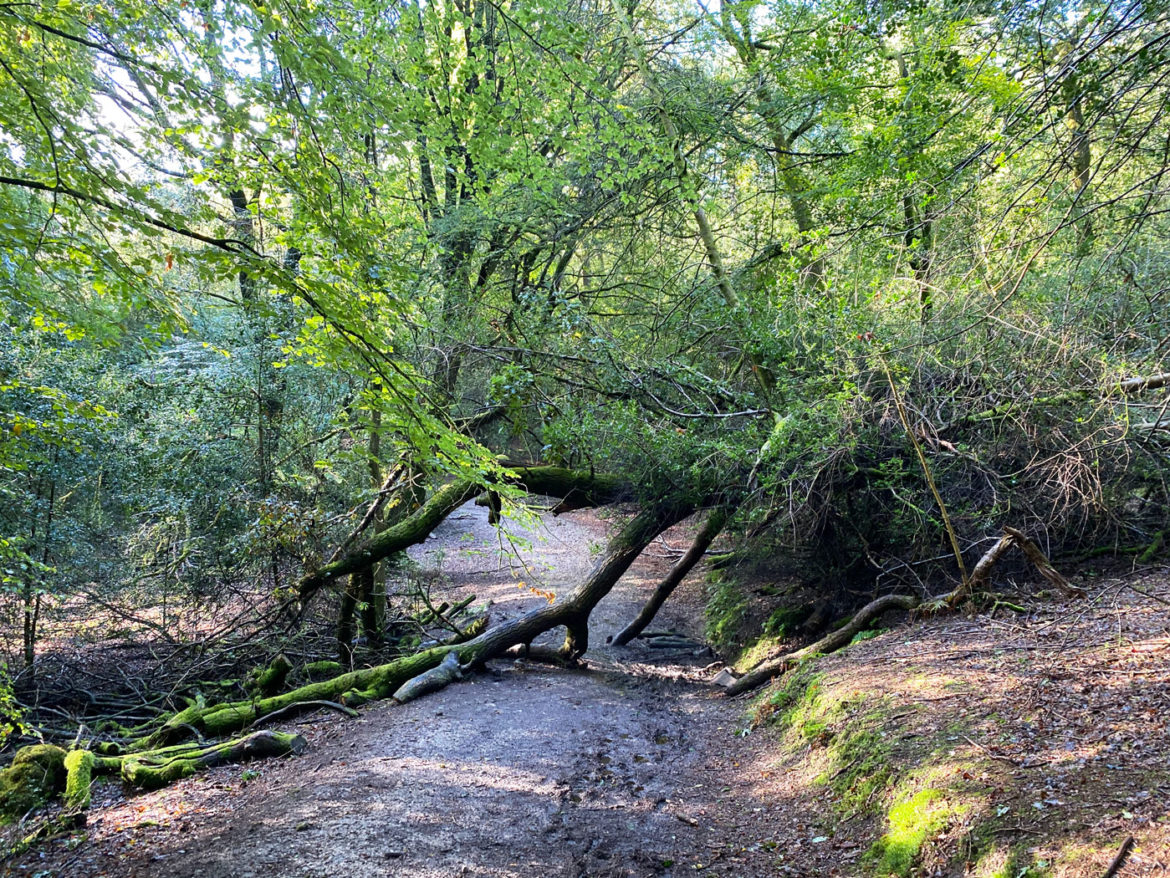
column 794, row 697
column 785, row 621
column 858, row 754
column 911, row 822
column 868, row 634
column 79, row 765
column 270, row 680
column 860, row 769
column 322, row 670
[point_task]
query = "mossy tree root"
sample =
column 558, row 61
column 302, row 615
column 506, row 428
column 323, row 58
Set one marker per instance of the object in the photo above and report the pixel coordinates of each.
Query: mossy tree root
column 79, row 766
column 829, row 643
column 270, row 680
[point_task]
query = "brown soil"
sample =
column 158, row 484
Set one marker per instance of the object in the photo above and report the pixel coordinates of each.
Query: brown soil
column 634, row 766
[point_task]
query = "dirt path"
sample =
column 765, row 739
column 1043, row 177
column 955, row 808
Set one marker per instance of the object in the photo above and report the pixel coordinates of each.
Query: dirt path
column 1021, row 746
column 629, row 767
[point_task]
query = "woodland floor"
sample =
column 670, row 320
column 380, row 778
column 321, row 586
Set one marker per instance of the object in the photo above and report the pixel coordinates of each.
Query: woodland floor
column 1045, row 735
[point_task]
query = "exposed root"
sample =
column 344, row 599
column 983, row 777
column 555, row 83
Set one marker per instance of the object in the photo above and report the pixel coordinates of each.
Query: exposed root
column 158, row 768
column 433, row 680
column 304, row 707
column 981, row 575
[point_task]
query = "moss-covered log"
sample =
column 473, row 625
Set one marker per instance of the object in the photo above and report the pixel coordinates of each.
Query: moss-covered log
column 829, row 643
column 79, row 766
column 355, row 687
column 322, row 670
column 270, row 680
column 712, row 527
column 448, row 671
column 37, row 773
column 358, row 687
column 155, row 769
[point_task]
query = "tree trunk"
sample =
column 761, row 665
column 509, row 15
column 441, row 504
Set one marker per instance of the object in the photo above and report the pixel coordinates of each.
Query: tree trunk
column 716, row 519
column 829, row 643
column 370, row 610
column 357, row 687
column 345, row 620
column 585, row 487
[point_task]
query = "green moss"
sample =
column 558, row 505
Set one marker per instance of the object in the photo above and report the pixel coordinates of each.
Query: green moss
column 221, row 720
column 793, row 697
column 911, row 822
column 858, row 754
column 36, row 774
column 868, row 634
column 784, row 621
column 159, row 768
column 270, row 680
column 322, row 670
column 79, row 765
column 860, row 768
column 726, row 611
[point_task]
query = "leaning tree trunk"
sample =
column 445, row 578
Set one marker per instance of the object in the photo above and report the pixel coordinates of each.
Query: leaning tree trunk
column 829, row 643
column 716, row 519
column 358, row 687
column 581, row 487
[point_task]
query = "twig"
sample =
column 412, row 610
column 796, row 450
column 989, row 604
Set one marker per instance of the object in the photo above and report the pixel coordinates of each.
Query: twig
column 1007, row 759
column 1119, row 860
column 301, row 706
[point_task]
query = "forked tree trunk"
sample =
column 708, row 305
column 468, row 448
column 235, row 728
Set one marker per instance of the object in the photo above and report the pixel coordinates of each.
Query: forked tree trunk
column 716, row 519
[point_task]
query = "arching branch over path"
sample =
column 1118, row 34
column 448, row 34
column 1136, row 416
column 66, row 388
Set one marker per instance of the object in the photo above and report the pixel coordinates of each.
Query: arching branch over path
column 581, row 487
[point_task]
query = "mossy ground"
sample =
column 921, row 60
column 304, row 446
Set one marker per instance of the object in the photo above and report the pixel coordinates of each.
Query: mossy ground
column 36, row 774
column 948, row 750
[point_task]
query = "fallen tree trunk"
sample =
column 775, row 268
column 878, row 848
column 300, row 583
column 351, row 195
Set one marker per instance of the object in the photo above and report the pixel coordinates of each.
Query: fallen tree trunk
column 1042, row 564
column 716, row 519
column 155, row 769
column 447, row 672
column 829, row 643
column 981, row 575
column 361, row 686
column 582, row 487
column 149, row 770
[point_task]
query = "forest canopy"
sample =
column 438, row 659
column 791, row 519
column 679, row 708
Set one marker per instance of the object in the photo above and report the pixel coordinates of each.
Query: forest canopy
column 875, row 279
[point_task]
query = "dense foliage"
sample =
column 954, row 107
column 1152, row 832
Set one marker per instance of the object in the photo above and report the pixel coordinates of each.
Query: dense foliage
column 255, row 259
